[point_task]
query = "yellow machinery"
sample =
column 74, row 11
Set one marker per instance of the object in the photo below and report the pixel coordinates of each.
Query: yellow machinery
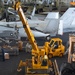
column 39, row 59
column 54, row 47
column 36, row 62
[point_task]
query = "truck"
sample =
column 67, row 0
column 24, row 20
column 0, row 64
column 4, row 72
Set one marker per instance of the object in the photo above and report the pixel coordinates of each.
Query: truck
column 39, row 63
column 55, row 47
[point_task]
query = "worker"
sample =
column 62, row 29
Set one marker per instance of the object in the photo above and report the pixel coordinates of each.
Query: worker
column 3, row 54
column 44, row 62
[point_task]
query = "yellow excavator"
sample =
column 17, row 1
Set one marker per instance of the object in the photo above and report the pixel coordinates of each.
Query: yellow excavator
column 39, row 61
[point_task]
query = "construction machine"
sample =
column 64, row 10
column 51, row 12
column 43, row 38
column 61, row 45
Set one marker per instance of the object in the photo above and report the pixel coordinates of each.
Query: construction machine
column 54, row 47
column 39, row 63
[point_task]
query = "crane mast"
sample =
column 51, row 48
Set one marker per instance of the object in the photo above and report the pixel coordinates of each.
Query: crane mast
column 26, row 26
column 39, row 61
column 35, row 49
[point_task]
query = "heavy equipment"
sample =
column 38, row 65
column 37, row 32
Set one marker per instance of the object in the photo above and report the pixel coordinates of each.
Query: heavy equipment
column 54, row 47
column 39, row 63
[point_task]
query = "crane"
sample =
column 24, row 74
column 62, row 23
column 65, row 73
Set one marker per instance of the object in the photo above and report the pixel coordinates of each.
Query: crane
column 39, row 60
column 37, row 53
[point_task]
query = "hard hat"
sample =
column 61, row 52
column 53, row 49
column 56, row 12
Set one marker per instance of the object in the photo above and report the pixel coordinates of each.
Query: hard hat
column 45, row 57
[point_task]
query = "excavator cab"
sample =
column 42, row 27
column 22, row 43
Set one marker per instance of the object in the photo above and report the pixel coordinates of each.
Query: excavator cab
column 55, row 47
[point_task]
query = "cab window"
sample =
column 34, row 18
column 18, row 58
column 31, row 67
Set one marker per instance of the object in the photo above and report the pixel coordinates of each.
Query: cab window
column 51, row 43
column 56, row 45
